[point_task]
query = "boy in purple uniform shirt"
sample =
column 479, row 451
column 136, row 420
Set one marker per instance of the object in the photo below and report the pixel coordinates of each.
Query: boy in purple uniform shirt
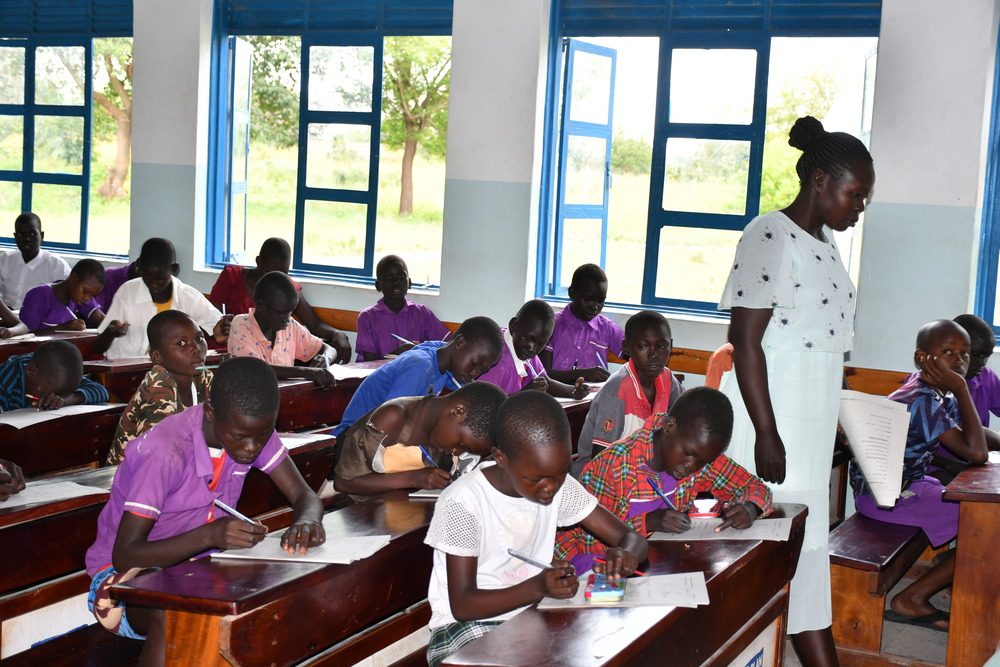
column 984, row 385
column 582, row 336
column 68, row 305
column 117, row 276
column 394, row 314
column 519, row 367
column 162, row 506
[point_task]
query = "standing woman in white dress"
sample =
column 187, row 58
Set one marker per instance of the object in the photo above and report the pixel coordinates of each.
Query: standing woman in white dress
column 792, row 316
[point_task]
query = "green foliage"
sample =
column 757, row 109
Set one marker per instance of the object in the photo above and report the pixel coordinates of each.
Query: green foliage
column 112, row 57
column 630, row 156
column 275, row 90
column 415, row 82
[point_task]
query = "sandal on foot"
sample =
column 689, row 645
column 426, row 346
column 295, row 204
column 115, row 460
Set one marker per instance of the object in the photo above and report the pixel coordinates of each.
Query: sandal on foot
column 926, row 621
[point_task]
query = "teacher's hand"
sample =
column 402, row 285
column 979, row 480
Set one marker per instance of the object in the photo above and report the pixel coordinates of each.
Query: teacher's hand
column 769, row 455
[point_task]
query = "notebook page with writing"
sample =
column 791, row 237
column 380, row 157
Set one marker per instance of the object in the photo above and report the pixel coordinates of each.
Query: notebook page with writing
column 686, row 589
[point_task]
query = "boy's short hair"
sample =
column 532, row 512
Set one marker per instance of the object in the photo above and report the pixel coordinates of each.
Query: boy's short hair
column 59, row 362
column 929, row 333
column 28, row 217
column 646, row 318
column 274, row 287
column 88, row 268
column 588, row 273
column 481, row 399
column 481, row 329
column 707, row 407
column 390, row 259
column 157, row 251
column 536, row 309
column 158, row 324
column 275, row 248
column 975, row 326
column 245, row 386
column 530, row 419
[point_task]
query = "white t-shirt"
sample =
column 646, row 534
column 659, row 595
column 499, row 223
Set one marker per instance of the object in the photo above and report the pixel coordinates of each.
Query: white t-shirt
column 16, row 277
column 472, row 518
column 133, row 304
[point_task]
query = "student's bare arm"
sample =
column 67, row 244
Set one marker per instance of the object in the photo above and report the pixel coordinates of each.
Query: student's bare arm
column 746, row 331
column 470, row 603
column 570, row 376
column 317, row 327
column 320, row 376
column 969, row 441
column 627, row 547
column 307, row 509
column 576, row 390
column 375, row 483
column 106, row 337
column 95, row 318
column 992, row 439
column 132, row 549
column 11, row 479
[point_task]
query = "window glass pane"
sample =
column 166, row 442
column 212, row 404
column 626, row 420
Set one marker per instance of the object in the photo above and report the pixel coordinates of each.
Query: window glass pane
column 338, row 156
column 585, row 164
column 712, row 85
column 272, row 169
column 59, row 144
column 706, row 175
column 334, row 233
column 581, row 245
column 109, row 202
column 10, row 200
column 693, row 263
column 591, row 88
column 11, row 142
column 59, row 75
column 61, row 207
column 341, row 78
column 411, row 194
column 11, row 75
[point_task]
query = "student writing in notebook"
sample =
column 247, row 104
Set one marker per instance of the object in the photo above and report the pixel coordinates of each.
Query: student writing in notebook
column 428, row 368
column 414, row 442
column 582, row 337
column 30, row 265
column 651, row 478
column 233, row 293
column 268, row 332
column 636, row 391
column 123, row 331
column 11, row 479
column 177, row 380
column 941, row 413
column 516, row 503
column 162, row 506
column 519, row 367
column 67, row 305
column 48, row 379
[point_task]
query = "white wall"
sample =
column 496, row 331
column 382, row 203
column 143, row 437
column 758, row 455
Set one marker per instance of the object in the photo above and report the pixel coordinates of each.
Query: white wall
column 932, row 88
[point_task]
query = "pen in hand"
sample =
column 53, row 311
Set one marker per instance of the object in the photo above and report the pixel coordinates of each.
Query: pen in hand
column 234, row 512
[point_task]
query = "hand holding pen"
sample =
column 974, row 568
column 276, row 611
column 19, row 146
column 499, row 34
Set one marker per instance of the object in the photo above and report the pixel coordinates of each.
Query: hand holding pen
column 670, row 520
column 432, row 477
column 557, row 580
column 237, row 531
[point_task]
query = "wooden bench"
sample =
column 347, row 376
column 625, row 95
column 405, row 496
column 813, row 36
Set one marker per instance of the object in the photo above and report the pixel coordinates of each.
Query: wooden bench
column 867, row 558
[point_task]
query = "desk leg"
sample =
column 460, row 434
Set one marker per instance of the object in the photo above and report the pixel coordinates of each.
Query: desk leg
column 975, row 601
column 193, row 639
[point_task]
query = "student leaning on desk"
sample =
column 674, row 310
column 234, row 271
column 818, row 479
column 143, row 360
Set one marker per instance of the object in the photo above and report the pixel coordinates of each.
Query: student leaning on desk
column 165, row 499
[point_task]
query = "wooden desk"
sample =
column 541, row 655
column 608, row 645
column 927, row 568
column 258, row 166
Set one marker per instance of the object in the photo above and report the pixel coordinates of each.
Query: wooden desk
column 122, row 377
column 71, row 441
column 247, row 613
column 84, row 340
column 974, row 630
column 747, row 586
column 305, row 405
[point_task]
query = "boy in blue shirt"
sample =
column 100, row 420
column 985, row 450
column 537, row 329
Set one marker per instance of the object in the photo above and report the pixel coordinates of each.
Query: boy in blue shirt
column 428, row 368
column 48, row 379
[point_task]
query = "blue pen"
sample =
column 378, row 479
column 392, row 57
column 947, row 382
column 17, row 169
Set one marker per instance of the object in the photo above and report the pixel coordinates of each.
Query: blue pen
column 428, row 457
column 402, row 340
column 454, row 382
column 600, row 361
column 658, row 491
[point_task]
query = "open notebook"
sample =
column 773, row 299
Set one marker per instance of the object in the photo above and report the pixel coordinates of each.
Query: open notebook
column 342, row 550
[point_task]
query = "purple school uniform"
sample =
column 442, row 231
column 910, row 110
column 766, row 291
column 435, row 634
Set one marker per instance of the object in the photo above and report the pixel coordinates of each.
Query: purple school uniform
column 41, row 309
column 113, row 279
column 985, row 391
column 166, row 476
column 504, row 374
column 577, row 344
column 377, row 323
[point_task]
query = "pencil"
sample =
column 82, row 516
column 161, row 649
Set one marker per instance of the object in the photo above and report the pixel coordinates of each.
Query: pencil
column 528, row 559
column 638, row 573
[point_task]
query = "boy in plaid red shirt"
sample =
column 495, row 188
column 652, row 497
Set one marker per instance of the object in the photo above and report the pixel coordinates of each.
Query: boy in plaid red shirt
column 650, row 478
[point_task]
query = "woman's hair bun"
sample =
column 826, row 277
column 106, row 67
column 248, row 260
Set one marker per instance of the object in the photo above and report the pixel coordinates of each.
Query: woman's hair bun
column 805, row 133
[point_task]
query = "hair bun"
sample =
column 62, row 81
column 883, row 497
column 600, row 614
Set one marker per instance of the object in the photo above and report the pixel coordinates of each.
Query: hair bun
column 805, row 133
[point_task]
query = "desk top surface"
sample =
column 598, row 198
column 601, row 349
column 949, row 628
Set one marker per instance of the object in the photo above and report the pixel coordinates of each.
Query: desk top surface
column 976, row 483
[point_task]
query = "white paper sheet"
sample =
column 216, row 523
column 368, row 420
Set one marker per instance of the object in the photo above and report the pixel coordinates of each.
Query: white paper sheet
column 30, row 416
column 293, row 440
column 704, row 529
column 346, row 371
column 663, row 590
column 876, row 428
column 42, row 492
column 426, row 494
column 342, row 550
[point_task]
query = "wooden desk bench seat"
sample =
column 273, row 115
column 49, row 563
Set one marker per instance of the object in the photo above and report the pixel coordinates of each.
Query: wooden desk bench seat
column 867, row 558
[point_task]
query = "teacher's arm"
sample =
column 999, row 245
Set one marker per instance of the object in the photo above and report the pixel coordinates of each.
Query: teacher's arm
column 746, row 331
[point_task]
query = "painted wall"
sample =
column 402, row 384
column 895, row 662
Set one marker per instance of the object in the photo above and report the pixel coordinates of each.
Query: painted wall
column 928, row 138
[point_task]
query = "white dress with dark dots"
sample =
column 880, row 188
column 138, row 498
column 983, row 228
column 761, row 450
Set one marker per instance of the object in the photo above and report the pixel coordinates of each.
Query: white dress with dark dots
column 802, row 278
